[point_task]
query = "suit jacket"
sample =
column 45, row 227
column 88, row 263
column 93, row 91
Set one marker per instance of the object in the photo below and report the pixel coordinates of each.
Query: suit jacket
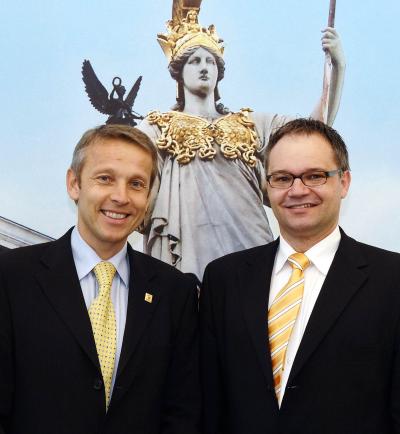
column 345, row 378
column 50, row 377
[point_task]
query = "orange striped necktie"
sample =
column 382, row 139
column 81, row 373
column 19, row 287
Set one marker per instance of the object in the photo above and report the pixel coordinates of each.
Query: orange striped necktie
column 102, row 318
column 282, row 316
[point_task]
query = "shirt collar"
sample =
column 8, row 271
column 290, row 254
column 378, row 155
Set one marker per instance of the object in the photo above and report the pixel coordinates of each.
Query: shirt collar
column 86, row 258
column 320, row 255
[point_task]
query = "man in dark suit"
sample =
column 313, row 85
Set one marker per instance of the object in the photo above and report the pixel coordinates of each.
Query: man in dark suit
column 302, row 336
column 95, row 337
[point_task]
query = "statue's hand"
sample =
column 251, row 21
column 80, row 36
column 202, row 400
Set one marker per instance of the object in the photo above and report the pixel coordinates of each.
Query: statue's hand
column 332, row 45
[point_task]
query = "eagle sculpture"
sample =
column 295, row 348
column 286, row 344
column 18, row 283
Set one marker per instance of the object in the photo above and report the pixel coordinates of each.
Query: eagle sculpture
column 118, row 109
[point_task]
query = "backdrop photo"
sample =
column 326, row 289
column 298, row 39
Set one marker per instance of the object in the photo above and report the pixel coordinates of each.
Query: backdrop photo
column 274, row 63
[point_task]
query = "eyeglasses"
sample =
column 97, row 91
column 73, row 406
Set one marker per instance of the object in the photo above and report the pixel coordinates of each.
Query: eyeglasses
column 312, row 178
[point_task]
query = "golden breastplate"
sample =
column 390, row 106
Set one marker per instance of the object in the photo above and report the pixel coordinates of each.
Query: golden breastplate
column 185, row 136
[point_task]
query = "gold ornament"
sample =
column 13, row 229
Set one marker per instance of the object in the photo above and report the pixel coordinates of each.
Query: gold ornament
column 184, row 136
column 184, row 33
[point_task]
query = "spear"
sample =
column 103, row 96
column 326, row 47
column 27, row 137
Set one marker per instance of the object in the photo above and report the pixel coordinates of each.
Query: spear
column 332, row 9
column 328, row 66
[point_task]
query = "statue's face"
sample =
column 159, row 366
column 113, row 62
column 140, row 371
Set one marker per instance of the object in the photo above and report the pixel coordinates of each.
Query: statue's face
column 191, row 16
column 200, row 73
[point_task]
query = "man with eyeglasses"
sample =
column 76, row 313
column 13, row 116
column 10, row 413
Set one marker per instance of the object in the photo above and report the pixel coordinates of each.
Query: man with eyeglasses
column 302, row 336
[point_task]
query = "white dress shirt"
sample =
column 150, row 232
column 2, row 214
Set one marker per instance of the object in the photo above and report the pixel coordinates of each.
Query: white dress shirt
column 320, row 257
column 86, row 259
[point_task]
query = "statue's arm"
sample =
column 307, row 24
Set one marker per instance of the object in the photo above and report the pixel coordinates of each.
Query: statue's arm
column 332, row 45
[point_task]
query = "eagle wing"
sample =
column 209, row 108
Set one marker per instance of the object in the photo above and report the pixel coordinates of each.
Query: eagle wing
column 130, row 99
column 97, row 93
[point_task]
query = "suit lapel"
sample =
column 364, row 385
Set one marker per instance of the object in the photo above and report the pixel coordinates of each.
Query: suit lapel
column 346, row 275
column 254, row 284
column 139, row 310
column 59, row 281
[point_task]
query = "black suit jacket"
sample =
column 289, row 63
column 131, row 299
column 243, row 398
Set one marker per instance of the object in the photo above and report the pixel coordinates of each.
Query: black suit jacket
column 346, row 375
column 50, row 378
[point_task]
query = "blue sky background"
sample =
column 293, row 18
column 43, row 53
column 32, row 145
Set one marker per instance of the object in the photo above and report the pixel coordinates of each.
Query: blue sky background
column 273, row 63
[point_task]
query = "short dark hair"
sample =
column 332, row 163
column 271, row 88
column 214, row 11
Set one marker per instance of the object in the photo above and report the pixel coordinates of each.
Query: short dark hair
column 113, row 131
column 307, row 126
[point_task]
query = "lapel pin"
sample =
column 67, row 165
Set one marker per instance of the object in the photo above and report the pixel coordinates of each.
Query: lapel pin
column 148, row 297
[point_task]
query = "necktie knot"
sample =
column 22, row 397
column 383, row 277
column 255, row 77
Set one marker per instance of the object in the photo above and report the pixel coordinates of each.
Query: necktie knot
column 104, row 272
column 299, row 261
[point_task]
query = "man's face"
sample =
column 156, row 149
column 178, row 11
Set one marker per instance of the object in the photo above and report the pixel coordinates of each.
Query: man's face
column 200, row 73
column 112, row 194
column 305, row 213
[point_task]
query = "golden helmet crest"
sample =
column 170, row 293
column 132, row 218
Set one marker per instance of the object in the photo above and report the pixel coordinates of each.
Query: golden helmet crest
column 185, row 33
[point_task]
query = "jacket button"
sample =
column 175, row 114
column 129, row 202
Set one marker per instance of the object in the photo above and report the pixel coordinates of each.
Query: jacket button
column 97, row 384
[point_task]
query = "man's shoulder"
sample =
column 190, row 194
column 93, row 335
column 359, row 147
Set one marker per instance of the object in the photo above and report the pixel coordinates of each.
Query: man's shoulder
column 377, row 263
column 160, row 268
column 373, row 253
column 14, row 258
column 24, row 253
column 243, row 256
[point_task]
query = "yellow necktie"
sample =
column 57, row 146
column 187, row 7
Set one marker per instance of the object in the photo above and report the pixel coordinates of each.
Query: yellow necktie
column 282, row 315
column 102, row 317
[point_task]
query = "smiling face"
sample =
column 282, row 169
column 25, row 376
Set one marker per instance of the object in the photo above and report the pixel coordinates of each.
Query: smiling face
column 306, row 215
column 111, row 194
column 200, row 73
